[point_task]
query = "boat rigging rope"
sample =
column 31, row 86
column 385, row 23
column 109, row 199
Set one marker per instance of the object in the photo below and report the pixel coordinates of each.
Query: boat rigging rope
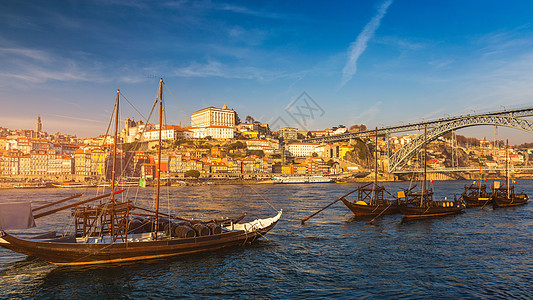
column 177, row 101
column 261, row 196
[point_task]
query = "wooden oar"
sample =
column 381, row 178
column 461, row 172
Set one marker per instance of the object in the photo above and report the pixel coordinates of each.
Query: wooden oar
column 57, row 202
column 491, row 196
column 370, row 222
column 305, row 219
column 75, row 204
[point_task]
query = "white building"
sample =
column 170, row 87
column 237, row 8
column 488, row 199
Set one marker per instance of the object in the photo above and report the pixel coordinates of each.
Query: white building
column 169, row 132
column 302, row 149
column 215, row 132
column 213, row 116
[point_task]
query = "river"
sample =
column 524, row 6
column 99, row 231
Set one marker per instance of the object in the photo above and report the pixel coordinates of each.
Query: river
column 483, row 253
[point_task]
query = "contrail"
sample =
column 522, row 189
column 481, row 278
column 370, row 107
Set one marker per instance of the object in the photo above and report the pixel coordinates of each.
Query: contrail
column 359, row 45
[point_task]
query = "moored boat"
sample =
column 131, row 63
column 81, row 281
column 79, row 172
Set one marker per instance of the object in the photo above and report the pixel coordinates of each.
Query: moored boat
column 421, row 205
column 113, row 231
column 370, row 202
column 475, row 196
column 506, row 196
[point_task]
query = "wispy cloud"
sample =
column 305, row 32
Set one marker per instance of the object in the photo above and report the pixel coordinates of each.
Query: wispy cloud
column 38, row 66
column 359, row 45
column 217, row 69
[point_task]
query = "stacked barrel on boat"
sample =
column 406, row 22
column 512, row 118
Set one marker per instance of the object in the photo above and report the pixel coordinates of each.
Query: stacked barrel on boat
column 182, row 229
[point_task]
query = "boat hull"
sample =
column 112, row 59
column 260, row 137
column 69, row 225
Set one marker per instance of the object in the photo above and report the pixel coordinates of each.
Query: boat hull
column 417, row 212
column 370, row 210
column 514, row 200
column 474, row 201
column 72, row 254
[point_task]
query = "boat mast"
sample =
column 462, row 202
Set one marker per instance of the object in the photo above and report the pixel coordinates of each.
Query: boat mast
column 117, row 103
column 507, row 165
column 480, row 165
column 376, row 168
column 159, row 157
column 425, row 165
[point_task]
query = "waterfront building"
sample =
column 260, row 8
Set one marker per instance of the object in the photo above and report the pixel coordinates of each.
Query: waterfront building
column 11, row 162
column 39, row 162
column 98, row 159
column 24, row 165
column 316, row 166
column 82, row 162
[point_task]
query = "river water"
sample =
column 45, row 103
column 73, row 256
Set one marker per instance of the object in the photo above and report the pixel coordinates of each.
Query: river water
column 483, row 253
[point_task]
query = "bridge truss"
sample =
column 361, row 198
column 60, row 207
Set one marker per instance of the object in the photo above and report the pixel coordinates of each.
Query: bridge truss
column 437, row 128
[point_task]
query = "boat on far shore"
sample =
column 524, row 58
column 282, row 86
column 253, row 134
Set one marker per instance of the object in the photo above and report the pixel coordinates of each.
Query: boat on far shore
column 302, row 179
column 71, row 185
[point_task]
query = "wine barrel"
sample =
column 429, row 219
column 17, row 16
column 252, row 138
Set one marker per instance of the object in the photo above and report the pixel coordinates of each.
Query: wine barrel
column 135, row 226
column 184, row 231
column 201, row 229
column 214, row 228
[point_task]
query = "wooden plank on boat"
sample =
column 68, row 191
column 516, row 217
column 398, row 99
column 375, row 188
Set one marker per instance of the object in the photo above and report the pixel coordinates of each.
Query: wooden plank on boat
column 76, row 204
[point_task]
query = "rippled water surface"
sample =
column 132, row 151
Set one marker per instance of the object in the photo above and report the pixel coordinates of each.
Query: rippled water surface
column 483, row 253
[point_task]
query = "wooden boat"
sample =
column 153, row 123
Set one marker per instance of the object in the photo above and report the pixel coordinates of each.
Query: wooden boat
column 73, row 185
column 370, row 201
column 475, row 196
column 422, row 205
column 112, row 232
column 506, row 196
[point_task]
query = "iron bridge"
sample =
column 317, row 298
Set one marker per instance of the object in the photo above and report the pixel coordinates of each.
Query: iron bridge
column 436, row 128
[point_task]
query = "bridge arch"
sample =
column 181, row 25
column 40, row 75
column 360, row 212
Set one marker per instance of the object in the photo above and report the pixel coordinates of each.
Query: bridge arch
column 400, row 157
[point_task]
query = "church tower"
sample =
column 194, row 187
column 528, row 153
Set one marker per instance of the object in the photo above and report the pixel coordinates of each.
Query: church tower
column 39, row 124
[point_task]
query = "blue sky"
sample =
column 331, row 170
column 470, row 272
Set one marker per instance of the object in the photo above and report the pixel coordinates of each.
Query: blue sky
column 377, row 63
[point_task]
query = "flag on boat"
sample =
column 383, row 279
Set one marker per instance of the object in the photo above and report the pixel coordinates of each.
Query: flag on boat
column 515, row 182
column 474, row 182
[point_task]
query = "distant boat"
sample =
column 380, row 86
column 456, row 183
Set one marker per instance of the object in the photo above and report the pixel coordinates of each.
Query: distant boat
column 72, row 185
column 301, row 179
column 422, row 205
column 503, row 196
column 476, row 195
column 31, row 186
column 506, row 196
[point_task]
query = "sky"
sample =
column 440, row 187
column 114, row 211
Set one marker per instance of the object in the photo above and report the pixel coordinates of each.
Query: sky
column 306, row 64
